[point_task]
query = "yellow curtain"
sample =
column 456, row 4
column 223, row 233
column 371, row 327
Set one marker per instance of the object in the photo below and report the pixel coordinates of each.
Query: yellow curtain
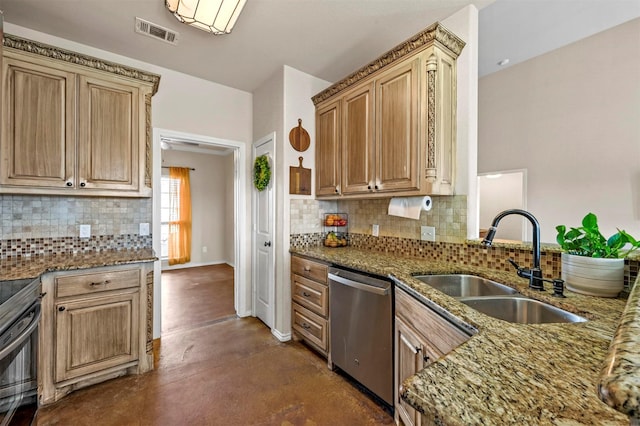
column 180, row 220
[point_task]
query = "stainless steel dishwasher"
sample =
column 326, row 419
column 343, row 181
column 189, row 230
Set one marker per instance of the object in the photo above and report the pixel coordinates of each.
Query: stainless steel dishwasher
column 362, row 329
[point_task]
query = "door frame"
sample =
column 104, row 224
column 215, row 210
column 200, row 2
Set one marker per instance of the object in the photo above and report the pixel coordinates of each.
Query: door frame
column 242, row 291
column 274, row 244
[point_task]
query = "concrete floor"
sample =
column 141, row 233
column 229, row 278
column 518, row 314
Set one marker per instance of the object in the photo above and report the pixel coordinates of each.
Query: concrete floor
column 217, row 369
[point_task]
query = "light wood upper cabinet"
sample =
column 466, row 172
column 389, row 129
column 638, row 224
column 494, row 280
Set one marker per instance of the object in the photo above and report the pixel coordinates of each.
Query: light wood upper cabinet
column 397, row 102
column 38, row 132
column 398, row 121
column 328, row 149
column 358, row 143
column 108, row 136
column 75, row 126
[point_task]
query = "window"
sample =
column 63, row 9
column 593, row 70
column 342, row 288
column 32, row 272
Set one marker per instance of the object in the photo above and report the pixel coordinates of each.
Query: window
column 167, row 213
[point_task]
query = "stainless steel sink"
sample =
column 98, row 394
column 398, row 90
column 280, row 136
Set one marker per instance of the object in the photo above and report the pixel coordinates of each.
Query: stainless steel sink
column 461, row 285
column 520, row 310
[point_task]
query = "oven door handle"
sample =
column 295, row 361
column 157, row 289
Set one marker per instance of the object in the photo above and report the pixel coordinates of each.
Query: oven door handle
column 360, row 286
column 15, row 343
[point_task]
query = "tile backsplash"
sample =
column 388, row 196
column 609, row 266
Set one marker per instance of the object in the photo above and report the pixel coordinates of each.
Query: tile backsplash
column 35, row 225
column 448, row 216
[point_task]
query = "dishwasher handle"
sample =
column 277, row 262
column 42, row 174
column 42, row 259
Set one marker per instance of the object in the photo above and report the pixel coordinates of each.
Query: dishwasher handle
column 360, row 286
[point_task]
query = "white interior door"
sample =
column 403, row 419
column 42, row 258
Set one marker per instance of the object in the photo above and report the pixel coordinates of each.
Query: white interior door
column 263, row 243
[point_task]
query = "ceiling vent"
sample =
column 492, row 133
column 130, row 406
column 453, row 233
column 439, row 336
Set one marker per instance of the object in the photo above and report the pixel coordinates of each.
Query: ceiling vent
column 156, row 31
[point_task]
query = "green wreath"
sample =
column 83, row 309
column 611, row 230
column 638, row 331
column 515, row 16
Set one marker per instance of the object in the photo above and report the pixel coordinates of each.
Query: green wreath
column 261, row 172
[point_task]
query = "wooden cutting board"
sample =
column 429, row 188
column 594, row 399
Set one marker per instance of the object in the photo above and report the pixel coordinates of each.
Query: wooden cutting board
column 299, row 179
column 299, row 137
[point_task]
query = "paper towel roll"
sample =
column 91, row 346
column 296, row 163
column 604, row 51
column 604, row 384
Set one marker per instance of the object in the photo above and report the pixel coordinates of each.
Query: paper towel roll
column 409, row 207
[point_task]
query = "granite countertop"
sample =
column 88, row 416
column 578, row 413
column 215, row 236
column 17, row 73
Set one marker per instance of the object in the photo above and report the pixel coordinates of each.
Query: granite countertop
column 506, row 373
column 15, row 268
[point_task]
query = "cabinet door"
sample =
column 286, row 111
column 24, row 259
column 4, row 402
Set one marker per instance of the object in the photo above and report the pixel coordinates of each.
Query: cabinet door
column 38, row 125
column 108, row 139
column 94, row 334
column 410, row 358
column 328, row 149
column 358, row 150
column 397, row 120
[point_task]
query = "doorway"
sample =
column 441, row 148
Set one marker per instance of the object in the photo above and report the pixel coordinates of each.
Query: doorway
column 499, row 191
column 242, row 303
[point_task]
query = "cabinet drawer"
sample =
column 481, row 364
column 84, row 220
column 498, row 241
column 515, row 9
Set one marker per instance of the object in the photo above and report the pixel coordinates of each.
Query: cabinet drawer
column 309, row 269
column 311, row 327
column 310, row 294
column 72, row 285
column 439, row 332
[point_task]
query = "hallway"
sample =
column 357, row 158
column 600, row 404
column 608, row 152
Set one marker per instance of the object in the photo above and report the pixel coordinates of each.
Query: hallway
column 218, row 369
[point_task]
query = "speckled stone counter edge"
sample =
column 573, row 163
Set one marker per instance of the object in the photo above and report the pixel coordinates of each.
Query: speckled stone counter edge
column 619, row 385
column 34, row 266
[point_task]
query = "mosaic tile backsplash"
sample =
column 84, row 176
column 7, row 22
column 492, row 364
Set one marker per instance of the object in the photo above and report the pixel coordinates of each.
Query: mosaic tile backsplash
column 448, row 216
column 33, row 224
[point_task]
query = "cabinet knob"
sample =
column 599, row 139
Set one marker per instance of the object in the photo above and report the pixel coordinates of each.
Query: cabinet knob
column 336, row 190
column 61, row 308
column 83, row 184
column 306, row 326
column 69, row 183
column 305, row 294
column 376, row 187
column 369, row 187
column 267, row 243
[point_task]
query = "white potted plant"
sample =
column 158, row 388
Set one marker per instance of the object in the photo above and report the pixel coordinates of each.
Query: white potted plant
column 593, row 264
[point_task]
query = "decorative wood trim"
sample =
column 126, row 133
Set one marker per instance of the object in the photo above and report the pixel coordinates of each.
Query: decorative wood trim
column 432, row 72
column 434, row 33
column 149, row 283
column 52, row 52
column 148, row 173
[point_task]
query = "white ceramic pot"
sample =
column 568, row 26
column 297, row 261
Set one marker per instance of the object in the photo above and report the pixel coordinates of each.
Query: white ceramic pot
column 593, row 276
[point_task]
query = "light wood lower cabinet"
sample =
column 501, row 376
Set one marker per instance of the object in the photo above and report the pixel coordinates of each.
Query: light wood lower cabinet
column 93, row 328
column 310, row 303
column 421, row 337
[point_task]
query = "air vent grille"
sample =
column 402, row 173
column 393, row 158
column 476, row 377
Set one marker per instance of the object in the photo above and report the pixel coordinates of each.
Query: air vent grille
column 156, row 31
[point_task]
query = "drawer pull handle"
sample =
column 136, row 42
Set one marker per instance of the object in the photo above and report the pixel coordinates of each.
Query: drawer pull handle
column 105, row 282
column 306, row 326
column 307, row 268
column 61, row 308
column 305, row 294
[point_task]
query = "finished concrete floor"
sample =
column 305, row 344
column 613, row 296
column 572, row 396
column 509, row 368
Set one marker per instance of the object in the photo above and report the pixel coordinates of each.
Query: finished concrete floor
column 220, row 370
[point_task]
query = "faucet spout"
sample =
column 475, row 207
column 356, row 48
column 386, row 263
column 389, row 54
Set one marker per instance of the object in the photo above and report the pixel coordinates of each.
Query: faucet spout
column 535, row 273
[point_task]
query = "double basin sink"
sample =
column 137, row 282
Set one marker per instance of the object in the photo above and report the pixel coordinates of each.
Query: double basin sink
column 498, row 300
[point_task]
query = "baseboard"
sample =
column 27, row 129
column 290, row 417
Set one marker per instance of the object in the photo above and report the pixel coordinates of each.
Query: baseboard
column 280, row 336
column 166, row 267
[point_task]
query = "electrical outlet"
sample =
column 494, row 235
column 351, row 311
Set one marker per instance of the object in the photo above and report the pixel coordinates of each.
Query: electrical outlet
column 428, row 233
column 375, row 230
column 204, row 249
column 144, row 229
column 85, row 231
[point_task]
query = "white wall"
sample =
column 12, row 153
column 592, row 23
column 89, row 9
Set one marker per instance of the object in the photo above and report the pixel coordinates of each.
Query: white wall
column 464, row 24
column 571, row 118
column 278, row 104
column 210, row 189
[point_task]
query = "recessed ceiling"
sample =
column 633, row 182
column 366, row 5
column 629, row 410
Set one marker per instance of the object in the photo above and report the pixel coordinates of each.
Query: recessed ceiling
column 325, row 38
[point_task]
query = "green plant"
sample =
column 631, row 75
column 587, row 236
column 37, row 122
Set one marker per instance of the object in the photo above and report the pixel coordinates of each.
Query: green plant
column 261, row 172
column 588, row 241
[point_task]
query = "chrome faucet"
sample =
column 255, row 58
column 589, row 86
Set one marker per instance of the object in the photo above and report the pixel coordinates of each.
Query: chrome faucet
column 534, row 274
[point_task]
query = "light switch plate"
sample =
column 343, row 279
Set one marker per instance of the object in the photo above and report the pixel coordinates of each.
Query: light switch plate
column 428, row 233
column 144, row 229
column 375, row 230
column 85, row 231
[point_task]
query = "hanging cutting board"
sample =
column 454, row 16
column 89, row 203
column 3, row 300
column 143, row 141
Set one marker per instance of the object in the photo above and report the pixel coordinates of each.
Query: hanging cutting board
column 299, row 137
column 299, row 179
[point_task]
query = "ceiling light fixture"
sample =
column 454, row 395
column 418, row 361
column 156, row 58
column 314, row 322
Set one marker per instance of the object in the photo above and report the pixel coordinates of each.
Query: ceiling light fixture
column 214, row 16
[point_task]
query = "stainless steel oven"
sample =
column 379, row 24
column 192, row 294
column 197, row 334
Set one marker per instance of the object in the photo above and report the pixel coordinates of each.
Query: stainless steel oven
column 19, row 319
